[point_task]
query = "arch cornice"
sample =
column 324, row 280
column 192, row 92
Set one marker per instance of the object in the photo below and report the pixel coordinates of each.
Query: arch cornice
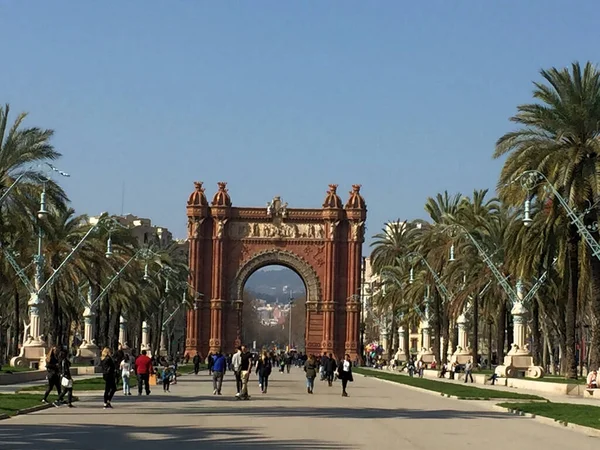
column 279, row 257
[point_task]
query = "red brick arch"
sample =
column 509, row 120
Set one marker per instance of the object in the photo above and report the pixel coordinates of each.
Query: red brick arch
column 324, row 246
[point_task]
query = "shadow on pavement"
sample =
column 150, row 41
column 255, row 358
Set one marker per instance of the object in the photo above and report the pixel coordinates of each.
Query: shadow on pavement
column 99, row 437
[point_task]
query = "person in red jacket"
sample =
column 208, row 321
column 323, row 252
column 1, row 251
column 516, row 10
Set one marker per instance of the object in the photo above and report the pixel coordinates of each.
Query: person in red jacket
column 143, row 368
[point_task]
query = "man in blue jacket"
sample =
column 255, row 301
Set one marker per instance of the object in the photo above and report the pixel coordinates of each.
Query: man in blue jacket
column 218, row 371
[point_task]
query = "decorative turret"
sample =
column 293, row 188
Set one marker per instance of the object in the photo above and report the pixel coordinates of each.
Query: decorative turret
column 356, row 201
column 332, row 200
column 221, row 198
column 197, row 198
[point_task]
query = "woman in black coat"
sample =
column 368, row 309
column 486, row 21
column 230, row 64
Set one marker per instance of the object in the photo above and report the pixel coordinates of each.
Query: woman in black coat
column 52, row 376
column 345, row 374
column 66, row 381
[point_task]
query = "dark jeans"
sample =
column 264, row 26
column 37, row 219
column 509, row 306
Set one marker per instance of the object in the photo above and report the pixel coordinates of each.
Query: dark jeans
column 69, row 392
column 263, row 380
column 53, row 381
column 110, row 387
column 238, row 381
column 330, row 378
column 468, row 375
column 143, row 380
column 196, row 369
column 344, row 384
column 166, row 383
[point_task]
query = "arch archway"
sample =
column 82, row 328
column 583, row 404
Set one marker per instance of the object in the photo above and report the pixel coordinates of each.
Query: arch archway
column 323, row 245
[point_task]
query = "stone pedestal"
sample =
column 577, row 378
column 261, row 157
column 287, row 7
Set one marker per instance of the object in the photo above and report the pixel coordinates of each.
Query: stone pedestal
column 145, row 337
column 519, row 359
column 462, row 354
column 88, row 350
column 426, row 354
column 33, row 351
column 400, row 355
column 163, row 344
column 123, row 334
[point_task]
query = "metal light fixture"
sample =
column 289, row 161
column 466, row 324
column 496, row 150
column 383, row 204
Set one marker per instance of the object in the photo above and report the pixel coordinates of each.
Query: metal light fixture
column 146, row 277
column 527, row 213
column 43, row 212
column 411, row 276
column 109, row 251
column 183, row 298
column 167, row 289
column 452, row 258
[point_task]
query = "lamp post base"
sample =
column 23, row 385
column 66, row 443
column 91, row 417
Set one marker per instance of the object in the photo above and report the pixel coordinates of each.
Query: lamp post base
column 461, row 356
column 32, row 355
column 88, row 353
column 426, row 355
column 516, row 365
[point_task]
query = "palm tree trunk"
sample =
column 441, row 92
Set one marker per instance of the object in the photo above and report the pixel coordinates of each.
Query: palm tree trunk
column 407, row 341
column 490, row 338
column 475, row 343
column 55, row 318
column 17, row 327
column 437, row 326
column 535, row 332
column 446, row 335
column 595, row 307
column 572, row 297
column 500, row 330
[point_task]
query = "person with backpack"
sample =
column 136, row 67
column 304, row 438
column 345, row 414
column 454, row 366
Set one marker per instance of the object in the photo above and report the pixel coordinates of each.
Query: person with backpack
column 263, row 370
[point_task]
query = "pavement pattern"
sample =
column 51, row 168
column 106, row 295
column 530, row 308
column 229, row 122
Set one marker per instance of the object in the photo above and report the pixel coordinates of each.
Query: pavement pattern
column 375, row 415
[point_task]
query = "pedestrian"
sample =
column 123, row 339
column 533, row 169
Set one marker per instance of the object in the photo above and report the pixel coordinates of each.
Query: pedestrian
column 330, row 368
column 245, row 368
column 236, row 364
column 125, row 367
column 196, row 362
column 108, row 373
column 52, row 374
column 310, row 367
column 167, row 374
column 210, row 362
column 469, row 371
column 144, row 368
column 218, row 371
column 345, row 374
column 263, row 370
column 66, row 381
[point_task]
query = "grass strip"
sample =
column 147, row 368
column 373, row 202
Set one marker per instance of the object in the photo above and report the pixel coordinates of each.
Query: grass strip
column 89, row 384
column 584, row 415
column 7, row 370
column 10, row 404
column 457, row 390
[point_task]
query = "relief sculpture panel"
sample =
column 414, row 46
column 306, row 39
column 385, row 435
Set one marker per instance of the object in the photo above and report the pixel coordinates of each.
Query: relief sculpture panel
column 242, row 230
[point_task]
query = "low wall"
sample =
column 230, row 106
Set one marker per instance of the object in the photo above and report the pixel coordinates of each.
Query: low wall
column 478, row 378
column 22, row 377
column 87, row 370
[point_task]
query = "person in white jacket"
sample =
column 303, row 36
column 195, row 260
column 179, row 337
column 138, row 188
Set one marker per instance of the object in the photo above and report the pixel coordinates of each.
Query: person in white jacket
column 236, row 363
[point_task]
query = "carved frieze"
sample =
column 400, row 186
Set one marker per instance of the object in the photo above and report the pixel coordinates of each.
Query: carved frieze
column 243, row 230
column 358, row 231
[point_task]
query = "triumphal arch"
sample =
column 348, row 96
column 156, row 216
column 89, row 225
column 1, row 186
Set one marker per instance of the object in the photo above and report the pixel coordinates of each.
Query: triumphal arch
column 322, row 245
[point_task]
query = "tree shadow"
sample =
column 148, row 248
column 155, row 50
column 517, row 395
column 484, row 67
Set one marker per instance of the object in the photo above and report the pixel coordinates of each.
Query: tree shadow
column 115, row 437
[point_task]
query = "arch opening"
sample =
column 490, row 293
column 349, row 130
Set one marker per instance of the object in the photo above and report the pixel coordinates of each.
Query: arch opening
column 274, row 309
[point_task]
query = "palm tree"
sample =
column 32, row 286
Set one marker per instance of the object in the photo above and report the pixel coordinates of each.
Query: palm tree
column 559, row 137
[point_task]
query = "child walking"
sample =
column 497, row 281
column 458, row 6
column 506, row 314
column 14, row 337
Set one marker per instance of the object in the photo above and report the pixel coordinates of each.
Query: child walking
column 167, row 373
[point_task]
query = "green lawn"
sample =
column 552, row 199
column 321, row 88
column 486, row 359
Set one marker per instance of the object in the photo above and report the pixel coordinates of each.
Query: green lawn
column 11, row 403
column 89, row 384
column 458, row 390
column 558, row 379
column 8, row 370
column 585, row 415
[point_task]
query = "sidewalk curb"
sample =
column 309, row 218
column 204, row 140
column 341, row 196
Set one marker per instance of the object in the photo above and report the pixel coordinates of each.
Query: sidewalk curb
column 548, row 421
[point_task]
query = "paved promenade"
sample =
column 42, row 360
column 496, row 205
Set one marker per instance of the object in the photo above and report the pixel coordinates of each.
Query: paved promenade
column 190, row 417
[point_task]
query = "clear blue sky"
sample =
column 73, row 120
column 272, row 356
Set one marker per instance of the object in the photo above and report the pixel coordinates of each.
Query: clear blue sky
column 280, row 97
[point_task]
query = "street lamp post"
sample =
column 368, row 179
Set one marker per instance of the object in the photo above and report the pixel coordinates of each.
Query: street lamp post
column 290, row 319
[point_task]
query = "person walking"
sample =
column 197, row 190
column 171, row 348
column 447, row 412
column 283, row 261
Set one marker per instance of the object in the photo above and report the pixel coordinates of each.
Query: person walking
column 125, row 367
column 310, row 367
column 236, row 366
column 263, row 370
column 330, row 368
column 218, row 371
column 52, row 374
column 108, row 373
column 66, row 380
column 143, row 367
column 167, row 374
column 196, row 362
column 245, row 367
column 469, row 371
column 345, row 374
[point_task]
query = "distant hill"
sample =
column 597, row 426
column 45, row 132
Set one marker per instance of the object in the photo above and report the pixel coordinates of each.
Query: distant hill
column 275, row 284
